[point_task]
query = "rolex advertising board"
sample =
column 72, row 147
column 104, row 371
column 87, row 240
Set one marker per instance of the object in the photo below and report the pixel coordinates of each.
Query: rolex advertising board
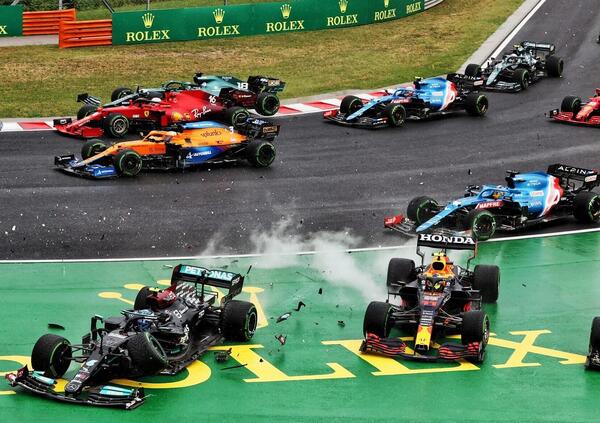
column 11, row 21
column 254, row 19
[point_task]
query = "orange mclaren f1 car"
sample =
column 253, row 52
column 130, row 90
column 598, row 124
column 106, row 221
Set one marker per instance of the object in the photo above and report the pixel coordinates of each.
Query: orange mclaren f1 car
column 191, row 145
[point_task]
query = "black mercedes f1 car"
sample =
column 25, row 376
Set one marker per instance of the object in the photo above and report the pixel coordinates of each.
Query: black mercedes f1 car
column 516, row 70
column 431, row 302
column 167, row 330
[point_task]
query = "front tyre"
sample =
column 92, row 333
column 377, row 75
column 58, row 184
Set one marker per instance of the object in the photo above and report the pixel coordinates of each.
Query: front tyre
column 260, row 153
column 421, row 209
column 51, row 355
column 85, row 111
column 586, row 207
column 475, row 328
column 521, row 77
column 92, row 147
column 486, row 279
column 116, row 125
column 238, row 320
column 120, row 92
column 396, row 115
column 128, row 163
column 378, row 319
column 267, row 104
column 482, row 224
column 350, row 104
column 473, row 70
column 236, row 116
column 554, row 66
column 476, row 104
column 147, row 355
column 141, row 299
column 571, row 104
column 400, row 270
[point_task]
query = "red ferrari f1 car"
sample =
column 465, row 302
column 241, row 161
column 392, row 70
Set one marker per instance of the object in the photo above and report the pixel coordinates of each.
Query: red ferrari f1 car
column 142, row 112
column 573, row 111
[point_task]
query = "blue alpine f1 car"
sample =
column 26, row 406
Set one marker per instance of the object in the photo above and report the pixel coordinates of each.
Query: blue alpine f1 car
column 527, row 199
column 425, row 98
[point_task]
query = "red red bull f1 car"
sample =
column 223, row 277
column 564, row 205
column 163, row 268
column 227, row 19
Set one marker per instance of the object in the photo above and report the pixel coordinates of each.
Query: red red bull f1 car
column 432, row 301
column 574, row 111
column 167, row 330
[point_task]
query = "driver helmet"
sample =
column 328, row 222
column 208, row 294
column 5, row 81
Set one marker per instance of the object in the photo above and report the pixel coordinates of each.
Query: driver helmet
column 435, row 283
column 496, row 195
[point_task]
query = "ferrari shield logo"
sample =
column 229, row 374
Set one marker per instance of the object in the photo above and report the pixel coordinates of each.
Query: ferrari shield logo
column 146, row 113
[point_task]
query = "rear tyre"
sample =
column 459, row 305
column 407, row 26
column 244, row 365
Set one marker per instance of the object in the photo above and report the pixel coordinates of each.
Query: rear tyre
column 594, row 340
column 267, row 104
column 377, row 319
column 350, row 104
column 396, row 115
column 554, row 66
column 476, row 104
column 238, row 320
column 586, row 207
column 521, row 77
column 236, row 116
column 473, row 70
column 92, row 147
column 50, row 355
column 147, row 355
column 85, row 111
column 482, row 224
column 571, row 104
column 400, row 270
column 475, row 328
column 116, row 125
column 120, row 92
column 486, row 279
column 260, row 153
column 141, row 299
column 421, row 209
column 128, row 163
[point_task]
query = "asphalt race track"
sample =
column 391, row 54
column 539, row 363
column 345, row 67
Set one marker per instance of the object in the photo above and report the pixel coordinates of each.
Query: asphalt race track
column 325, row 178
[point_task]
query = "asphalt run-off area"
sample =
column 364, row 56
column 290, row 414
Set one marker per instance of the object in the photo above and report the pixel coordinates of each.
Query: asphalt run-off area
column 540, row 327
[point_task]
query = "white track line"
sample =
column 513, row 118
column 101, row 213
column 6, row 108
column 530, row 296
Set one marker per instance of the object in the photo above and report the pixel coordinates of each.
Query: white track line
column 515, row 31
column 10, row 127
column 300, row 253
column 303, row 108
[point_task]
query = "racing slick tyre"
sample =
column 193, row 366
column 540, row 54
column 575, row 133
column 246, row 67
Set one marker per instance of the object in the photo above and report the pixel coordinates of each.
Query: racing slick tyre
column 50, row 355
column 116, row 125
column 554, row 66
column 476, row 104
column 120, row 93
column 586, row 207
column 85, row 111
column 92, row 147
column 238, row 320
column 421, row 209
column 473, row 70
column 350, row 104
column 396, row 115
column 475, row 328
column 571, row 104
column 594, row 345
column 141, row 299
column 260, row 153
column 147, row 355
column 400, row 270
column 128, row 162
column 267, row 104
column 521, row 77
column 486, row 279
column 236, row 116
column 482, row 224
column 377, row 319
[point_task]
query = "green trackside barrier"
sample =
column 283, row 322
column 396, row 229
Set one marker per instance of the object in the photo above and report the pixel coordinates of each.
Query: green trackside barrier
column 11, row 21
column 155, row 26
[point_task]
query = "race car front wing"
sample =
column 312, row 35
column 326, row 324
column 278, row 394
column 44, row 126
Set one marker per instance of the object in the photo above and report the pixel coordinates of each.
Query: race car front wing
column 103, row 396
column 69, row 164
column 361, row 122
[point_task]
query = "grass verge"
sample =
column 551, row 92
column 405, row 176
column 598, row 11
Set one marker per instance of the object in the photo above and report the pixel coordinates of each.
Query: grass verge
column 43, row 80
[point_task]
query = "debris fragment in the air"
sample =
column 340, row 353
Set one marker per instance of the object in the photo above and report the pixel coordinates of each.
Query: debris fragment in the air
column 235, row 367
column 55, row 326
column 300, row 305
column 281, row 338
column 167, row 266
column 222, row 356
column 320, row 291
column 341, row 323
column 283, row 317
column 470, row 172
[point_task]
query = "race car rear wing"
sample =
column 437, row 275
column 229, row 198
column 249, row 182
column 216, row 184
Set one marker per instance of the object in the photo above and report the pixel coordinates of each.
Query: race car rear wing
column 532, row 45
column 465, row 82
column 260, row 84
column 443, row 241
column 259, row 128
column 589, row 177
column 233, row 282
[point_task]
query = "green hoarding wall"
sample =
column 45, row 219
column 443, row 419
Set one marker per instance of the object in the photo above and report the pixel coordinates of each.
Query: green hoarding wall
column 11, row 21
column 156, row 26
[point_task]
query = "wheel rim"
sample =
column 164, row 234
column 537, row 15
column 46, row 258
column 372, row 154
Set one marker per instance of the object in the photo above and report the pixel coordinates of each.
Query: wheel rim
column 594, row 208
column 265, row 155
column 398, row 116
column 240, row 117
column 355, row 106
column 119, row 126
column 252, row 322
column 482, row 105
column 484, row 226
column 271, row 105
column 130, row 164
column 424, row 212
